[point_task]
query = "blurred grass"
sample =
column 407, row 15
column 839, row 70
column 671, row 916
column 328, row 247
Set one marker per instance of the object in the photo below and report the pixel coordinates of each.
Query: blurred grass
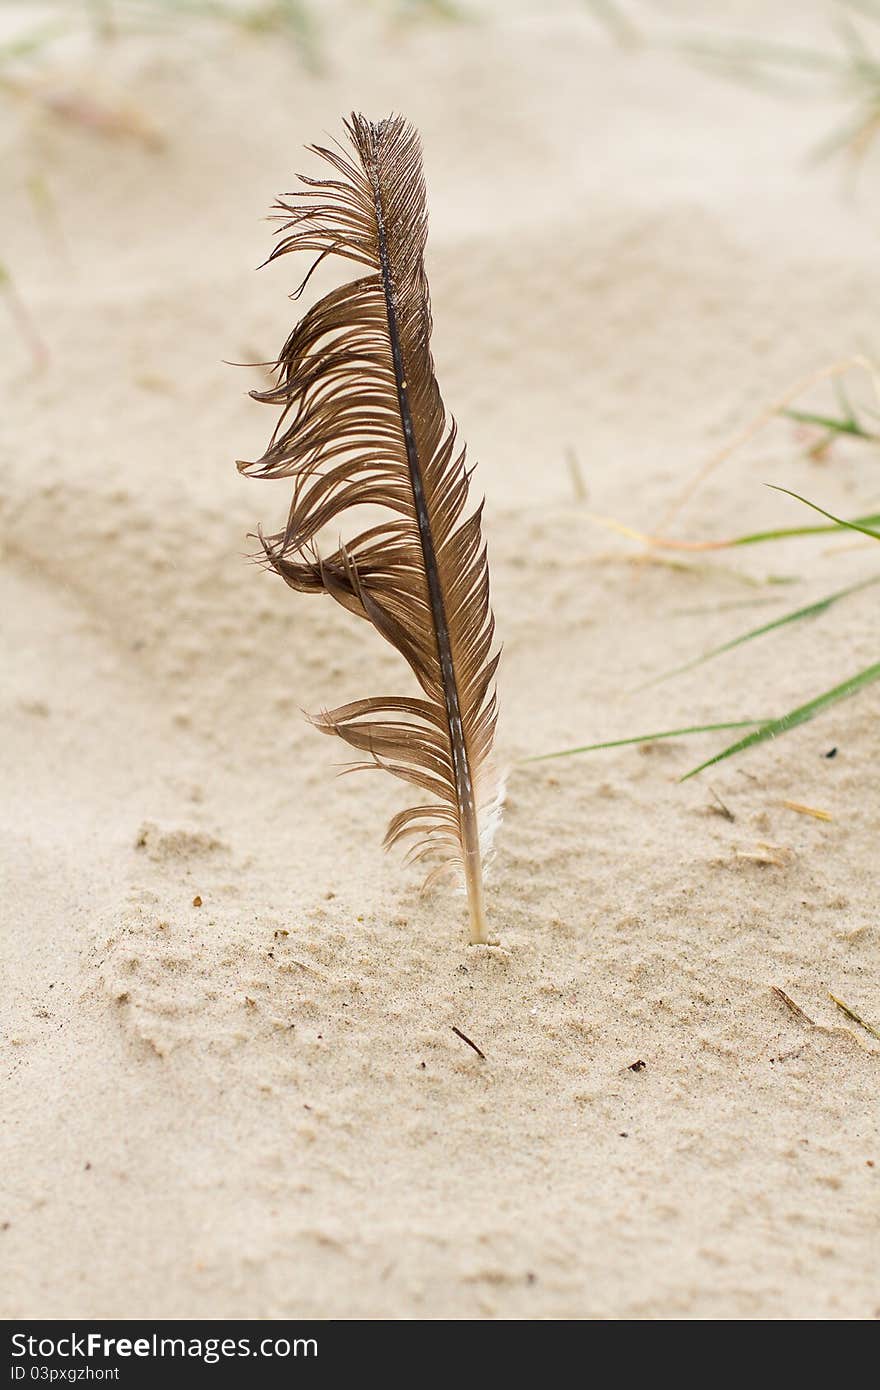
column 811, row 610
column 801, row 714
column 111, row 21
column 849, row 72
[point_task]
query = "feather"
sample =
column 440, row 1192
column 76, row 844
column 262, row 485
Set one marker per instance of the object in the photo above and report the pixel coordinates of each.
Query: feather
column 362, row 423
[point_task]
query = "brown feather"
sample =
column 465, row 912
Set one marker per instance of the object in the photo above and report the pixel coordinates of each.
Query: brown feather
column 363, row 423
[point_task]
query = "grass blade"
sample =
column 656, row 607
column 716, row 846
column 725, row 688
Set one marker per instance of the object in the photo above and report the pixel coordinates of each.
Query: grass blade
column 832, row 424
column 647, row 738
column 783, row 533
column 811, row 610
column 774, row 727
column 780, row 533
column 863, row 523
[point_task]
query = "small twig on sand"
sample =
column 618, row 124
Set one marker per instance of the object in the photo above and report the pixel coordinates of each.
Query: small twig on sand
column 719, row 808
column 802, row 810
column 792, row 1006
column 856, row 1018
column 464, row 1037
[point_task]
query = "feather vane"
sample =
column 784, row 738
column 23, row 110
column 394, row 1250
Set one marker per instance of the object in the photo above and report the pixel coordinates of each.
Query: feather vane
column 362, row 423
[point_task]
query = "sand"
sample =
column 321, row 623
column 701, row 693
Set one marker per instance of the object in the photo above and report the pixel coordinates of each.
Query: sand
column 257, row 1106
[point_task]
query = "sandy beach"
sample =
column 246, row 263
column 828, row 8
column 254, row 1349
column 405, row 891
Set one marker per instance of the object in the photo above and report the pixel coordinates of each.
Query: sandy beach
column 231, row 1081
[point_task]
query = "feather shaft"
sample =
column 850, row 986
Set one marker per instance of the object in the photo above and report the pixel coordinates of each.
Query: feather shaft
column 473, row 869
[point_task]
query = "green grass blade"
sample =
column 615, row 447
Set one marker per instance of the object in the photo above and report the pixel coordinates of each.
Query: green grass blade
column 647, row 738
column 778, row 533
column 774, row 727
column 783, row 533
column 847, row 425
column 862, row 523
column 811, row 610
